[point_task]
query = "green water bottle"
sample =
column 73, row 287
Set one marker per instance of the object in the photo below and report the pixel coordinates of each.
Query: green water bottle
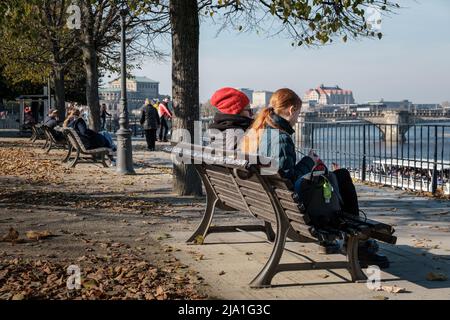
column 327, row 190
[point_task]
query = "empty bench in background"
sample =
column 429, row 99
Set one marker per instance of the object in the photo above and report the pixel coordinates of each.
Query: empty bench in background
column 81, row 153
column 37, row 133
column 238, row 185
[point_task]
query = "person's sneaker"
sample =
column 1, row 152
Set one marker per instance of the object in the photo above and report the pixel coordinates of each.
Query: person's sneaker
column 327, row 247
column 374, row 259
column 368, row 255
column 113, row 163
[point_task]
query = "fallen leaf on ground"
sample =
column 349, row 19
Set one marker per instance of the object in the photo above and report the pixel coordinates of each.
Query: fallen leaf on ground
column 11, row 236
column 199, row 240
column 38, row 235
column 391, row 289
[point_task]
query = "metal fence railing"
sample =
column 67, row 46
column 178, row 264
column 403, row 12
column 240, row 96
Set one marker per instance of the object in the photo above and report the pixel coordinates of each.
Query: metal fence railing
column 415, row 157
column 112, row 125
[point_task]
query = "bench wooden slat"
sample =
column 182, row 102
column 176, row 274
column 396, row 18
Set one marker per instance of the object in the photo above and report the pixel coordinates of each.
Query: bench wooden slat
column 290, row 205
column 263, row 214
column 227, row 192
column 284, row 194
column 233, row 202
column 297, row 217
column 254, row 193
column 223, row 184
column 220, row 176
column 250, row 184
column 302, row 229
column 260, row 204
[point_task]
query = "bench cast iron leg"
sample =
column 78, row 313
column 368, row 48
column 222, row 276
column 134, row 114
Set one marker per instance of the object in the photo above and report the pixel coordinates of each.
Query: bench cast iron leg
column 68, row 154
column 50, row 145
column 264, row 278
column 103, row 159
column 353, row 262
column 202, row 229
column 269, row 231
column 75, row 160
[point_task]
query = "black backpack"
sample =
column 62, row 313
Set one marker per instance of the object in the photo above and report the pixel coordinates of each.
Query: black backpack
column 324, row 210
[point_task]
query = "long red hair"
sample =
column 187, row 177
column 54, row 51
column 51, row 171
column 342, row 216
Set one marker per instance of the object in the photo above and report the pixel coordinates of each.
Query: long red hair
column 280, row 101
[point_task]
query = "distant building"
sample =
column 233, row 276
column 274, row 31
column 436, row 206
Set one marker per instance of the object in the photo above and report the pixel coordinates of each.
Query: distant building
column 392, row 105
column 261, row 98
column 326, row 96
column 138, row 89
column 427, row 106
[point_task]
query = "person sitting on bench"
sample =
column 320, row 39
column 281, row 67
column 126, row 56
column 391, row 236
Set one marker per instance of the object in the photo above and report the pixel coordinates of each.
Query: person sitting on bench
column 90, row 138
column 233, row 118
column 52, row 122
column 281, row 115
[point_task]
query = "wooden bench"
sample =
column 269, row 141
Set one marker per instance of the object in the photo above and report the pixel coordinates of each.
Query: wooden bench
column 54, row 143
column 37, row 133
column 237, row 185
column 75, row 144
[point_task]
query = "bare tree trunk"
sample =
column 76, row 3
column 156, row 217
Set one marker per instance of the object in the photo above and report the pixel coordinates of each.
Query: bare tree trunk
column 60, row 96
column 92, row 95
column 185, row 84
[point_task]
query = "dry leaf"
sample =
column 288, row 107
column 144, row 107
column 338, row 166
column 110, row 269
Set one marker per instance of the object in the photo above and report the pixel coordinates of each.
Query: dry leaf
column 12, row 235
column 38, row 235
column 90, row 284
column 391, row 289
column 199, row 240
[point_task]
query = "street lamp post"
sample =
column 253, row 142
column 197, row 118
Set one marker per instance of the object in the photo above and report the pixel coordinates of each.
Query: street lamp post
column 124, row 147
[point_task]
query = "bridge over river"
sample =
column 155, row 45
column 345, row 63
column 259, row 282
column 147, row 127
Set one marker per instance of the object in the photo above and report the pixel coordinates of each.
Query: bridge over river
column 393, row 125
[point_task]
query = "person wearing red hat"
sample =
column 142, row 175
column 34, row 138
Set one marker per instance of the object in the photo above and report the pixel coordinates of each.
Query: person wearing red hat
column 233, row 118
column 28, row 119
column 164, row 115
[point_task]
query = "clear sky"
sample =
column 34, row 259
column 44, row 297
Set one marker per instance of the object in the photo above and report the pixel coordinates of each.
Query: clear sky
column 412, row 61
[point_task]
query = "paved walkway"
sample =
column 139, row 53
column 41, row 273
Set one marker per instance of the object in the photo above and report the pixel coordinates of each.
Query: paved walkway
column 230, row 261
column 141, row 213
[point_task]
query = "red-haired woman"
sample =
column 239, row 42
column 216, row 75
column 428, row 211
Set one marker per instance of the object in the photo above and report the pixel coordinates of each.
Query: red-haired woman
column 270, row 135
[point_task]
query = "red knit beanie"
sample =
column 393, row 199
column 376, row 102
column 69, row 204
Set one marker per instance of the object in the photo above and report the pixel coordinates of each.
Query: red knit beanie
column 229, row 100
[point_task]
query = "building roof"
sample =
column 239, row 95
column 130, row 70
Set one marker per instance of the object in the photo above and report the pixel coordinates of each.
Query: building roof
column 109, row 89
column 138, row 79
column 145, row 79
column 322, row 90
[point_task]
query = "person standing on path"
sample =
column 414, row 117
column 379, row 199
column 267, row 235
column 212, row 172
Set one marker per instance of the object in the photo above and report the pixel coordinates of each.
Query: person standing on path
column 165, row 115
column 103, row 115
column 150, row 121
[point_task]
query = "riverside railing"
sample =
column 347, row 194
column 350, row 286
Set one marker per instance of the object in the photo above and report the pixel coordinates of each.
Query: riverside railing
column 415, row 157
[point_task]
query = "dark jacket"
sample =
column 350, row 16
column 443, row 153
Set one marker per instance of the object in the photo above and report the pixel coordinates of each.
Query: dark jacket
column 149, row 117
column 51, row 122
column 104, row 114
column 232, row 127
column 283, row 149
column 90, row 138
